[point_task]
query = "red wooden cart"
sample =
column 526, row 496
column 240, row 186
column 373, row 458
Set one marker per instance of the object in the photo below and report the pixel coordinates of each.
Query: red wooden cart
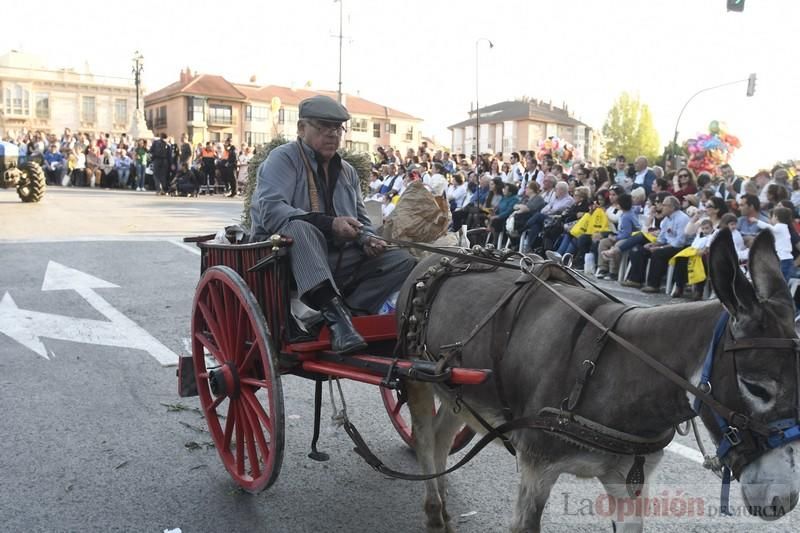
column 244, row 339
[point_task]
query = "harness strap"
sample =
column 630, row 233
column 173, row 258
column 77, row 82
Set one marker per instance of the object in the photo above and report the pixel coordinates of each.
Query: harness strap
column 572, row 427
column 590, row 363
column 740, row 420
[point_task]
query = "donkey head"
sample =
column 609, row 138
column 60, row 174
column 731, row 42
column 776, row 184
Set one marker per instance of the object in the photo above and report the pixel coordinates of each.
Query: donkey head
column 765, row 385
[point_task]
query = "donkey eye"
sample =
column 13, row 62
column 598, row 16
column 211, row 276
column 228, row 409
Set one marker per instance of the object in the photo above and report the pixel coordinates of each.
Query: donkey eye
column 757, row 390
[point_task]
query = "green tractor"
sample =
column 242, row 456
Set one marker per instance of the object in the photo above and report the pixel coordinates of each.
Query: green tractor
column 28, row 178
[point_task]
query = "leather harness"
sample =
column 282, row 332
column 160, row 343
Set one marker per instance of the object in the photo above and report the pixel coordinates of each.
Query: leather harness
column 561, row 422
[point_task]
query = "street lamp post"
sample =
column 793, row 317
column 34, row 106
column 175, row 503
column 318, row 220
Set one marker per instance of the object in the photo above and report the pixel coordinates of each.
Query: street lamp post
column 138, row 66
column 477, row 106
column 750, row 90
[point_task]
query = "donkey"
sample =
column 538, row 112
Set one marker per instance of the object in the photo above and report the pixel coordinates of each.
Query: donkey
column 544, row 355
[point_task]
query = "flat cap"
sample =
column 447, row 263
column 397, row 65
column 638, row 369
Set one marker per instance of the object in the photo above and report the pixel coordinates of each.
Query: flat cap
column 323, row 108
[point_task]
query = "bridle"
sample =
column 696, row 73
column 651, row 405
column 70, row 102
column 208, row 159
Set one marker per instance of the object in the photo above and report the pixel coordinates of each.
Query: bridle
column 742, row 441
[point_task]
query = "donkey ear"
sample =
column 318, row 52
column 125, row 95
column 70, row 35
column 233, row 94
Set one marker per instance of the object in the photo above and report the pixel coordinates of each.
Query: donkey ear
column 765, row 269
column 730, row 285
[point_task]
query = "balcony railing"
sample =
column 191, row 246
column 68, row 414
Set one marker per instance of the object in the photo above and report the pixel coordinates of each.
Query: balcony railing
column 220, row 121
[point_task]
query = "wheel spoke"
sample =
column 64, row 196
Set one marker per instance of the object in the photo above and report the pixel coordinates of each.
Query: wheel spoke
column 240, row 324
column 228, row 325
column 219, row 308
column 258, row 409
column 255, row 383
column 229, row 424
column 239, row 440
column 213, row 407
column 208, row 345
column 215, row 330
column 248, row 359
column 249, row 440
column 259, row 434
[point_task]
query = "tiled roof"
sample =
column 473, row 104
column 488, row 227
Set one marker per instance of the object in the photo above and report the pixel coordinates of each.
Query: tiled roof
column 519, row 110
column 202, row 85
column 355, row 104
column 219, row 87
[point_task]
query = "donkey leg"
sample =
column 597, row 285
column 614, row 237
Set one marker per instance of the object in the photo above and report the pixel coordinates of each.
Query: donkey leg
column 628, row 513
column 536, row 481
column 421, row 405
column 446, row 426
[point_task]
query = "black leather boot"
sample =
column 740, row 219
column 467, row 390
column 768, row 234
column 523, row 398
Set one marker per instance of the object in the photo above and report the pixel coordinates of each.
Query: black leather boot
column 344, row 337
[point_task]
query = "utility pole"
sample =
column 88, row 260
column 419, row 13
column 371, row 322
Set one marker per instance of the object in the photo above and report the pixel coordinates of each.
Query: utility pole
column 340, row 48
column 477, row 106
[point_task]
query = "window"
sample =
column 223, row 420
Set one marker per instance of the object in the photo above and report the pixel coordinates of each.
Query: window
column 410, row 133
column 215, row 136
column 120, row 111
column 288, row 116
column 197, row 109
column 391, row 128
column 149, row 118
column 17, row 100
column 87, row 109
column 254, row 138
column 257, row 113
column 220, row 114
column 358, row 125
column 161, row 117
column 376, row 129
column 42, row 105
column 357, row 147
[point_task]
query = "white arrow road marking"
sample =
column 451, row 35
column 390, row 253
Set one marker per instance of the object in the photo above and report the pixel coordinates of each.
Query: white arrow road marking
column 27, row 327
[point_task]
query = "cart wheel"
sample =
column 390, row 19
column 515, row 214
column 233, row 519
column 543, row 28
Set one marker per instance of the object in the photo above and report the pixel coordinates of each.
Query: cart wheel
column 239, row 386
column 401, row 420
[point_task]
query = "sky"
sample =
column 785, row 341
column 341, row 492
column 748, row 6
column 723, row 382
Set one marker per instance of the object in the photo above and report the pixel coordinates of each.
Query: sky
column 420, row 56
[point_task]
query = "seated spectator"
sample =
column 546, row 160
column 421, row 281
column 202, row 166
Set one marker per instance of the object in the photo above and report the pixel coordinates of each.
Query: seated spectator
column 505, row 207
column 571, row 216
column 123, row 167
column 524, row 210
column 610, row 248
column 474, row 213
column 671, row 239
column 185, row 182
column 776, row 193
column 684, row 183
column 108, row 176
column 55, row 166
column 560, row 203
column 750, row 208
column 701, row 243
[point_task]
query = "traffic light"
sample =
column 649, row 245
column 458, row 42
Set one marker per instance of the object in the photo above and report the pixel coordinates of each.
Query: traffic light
column 751, row 84
column 736, row 5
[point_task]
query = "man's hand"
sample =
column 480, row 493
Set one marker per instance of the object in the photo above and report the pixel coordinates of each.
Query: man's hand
column 373, row 247
column 346, row 228
column 652, row 246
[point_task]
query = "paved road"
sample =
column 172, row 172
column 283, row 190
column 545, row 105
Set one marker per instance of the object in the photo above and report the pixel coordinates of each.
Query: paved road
column 95, row 437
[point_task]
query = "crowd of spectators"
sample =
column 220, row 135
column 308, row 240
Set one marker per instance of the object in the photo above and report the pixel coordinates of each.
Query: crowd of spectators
column 77, row 159
column 650, row 218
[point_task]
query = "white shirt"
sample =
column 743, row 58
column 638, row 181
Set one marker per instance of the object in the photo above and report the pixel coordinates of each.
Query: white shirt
column 640, row 177
column 457, row 194
column 436, row 183
column 783, row 240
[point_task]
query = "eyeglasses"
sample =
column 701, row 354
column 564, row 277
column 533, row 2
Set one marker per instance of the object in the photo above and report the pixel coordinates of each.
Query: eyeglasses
column 710, row 206
column 683, row 175
column 328, row 128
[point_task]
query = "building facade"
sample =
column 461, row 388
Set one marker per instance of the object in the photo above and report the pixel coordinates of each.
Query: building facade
column 512, row 126
column 210, row 108
column 37, row 98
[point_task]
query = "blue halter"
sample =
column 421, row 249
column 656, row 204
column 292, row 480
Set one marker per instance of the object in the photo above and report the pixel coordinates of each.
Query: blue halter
column 786, row 430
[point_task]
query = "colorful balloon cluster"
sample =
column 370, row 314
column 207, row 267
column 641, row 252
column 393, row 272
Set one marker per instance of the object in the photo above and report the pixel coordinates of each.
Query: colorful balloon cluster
column 710, row 150
column 555, row 148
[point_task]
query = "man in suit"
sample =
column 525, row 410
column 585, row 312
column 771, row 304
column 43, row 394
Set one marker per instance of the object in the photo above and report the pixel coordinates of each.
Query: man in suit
column 644, row 175
column 307, row 191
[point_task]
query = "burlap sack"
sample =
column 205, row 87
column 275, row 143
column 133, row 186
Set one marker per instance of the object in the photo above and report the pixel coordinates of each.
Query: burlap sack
column 418, row 216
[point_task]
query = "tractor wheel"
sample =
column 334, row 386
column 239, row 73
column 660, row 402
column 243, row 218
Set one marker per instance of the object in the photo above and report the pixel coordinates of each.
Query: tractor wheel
column 33, row 184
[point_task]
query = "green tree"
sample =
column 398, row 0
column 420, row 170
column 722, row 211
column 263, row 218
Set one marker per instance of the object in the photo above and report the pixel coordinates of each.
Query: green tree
column 360, row 161
column 629, row 129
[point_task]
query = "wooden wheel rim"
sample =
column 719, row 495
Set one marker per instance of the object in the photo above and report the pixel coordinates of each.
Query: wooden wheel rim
column 228, row 323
